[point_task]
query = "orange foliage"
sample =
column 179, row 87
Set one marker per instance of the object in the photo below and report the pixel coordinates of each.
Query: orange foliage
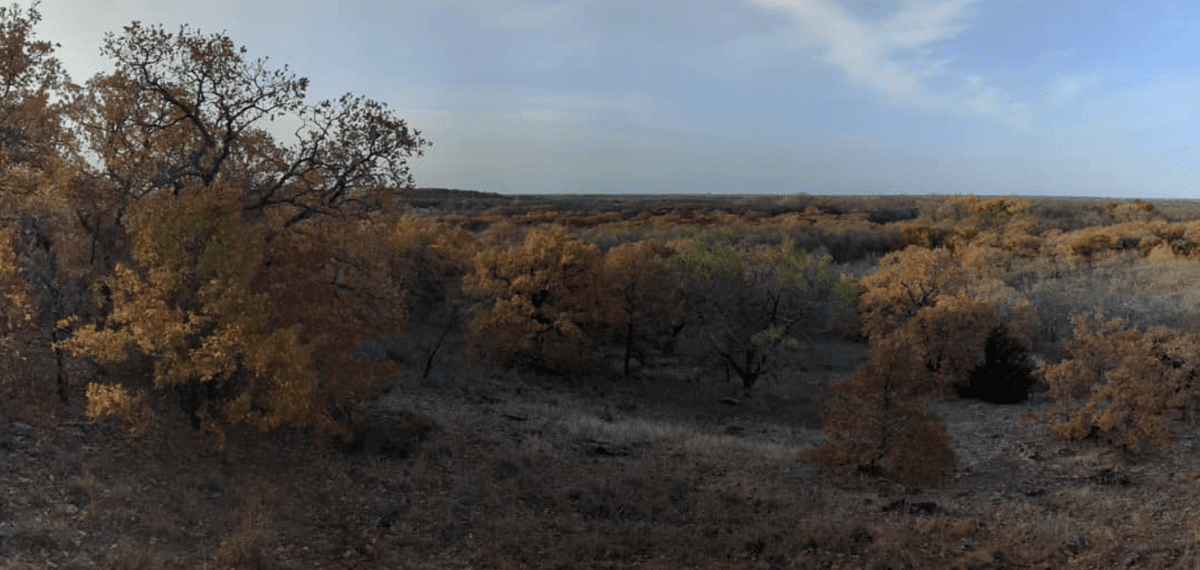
column 192, row 309
column 542, row 291
column 249, row 334
column 337, row 282
column 645, row 293
column 912, row 280
column 434, row 254
column 15, row 307
column 1124, row 384
column 876, row 422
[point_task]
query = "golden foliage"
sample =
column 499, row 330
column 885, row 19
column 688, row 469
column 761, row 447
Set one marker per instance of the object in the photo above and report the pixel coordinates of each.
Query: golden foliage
column 337, row 282
column 15, row 305
column 434, row 255
column 1124, row 384
column 192, row 308
column 906, row 282
column 105, row 400
column 914, row 279
column 949, row 337
column 33, row 86
column 876, row 422
column 645, row 293
column 540, row 291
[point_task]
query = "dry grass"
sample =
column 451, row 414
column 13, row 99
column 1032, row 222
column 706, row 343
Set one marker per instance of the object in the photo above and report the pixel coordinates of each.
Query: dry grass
column 490, row 491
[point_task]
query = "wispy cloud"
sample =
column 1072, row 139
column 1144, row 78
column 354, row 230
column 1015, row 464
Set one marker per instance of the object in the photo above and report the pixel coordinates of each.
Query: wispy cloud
column 522, row 14
column 895, row 56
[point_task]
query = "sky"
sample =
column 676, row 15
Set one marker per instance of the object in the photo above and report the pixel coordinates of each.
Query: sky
column 1049, row 97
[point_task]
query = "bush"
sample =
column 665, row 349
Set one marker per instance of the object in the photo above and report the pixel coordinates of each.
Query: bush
column 1006, row 374
column 877, row 425
column 1122, row 384
column 538, row 295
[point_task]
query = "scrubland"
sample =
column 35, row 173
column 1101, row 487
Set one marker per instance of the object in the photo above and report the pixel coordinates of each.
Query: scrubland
column 555, row 457
column 223, row 350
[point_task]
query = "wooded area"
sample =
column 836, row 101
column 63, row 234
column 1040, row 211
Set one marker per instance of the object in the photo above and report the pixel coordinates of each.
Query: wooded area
column 167, row 262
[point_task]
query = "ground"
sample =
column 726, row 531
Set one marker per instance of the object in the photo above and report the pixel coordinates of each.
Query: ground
column 678, row 469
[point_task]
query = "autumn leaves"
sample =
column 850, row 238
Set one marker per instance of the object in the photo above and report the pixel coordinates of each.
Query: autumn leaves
column 742, row 308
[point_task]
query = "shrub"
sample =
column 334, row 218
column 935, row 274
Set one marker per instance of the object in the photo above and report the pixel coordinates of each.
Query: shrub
column 1006, row 374
column 877, row 425
column 538, row 293
column 1123, row 384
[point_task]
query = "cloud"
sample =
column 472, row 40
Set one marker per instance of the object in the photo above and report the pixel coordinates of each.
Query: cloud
column 523, row 15
column 895, row 56
column 920, row 23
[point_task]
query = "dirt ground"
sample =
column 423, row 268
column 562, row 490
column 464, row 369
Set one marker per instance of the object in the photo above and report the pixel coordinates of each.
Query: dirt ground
column 676, row 470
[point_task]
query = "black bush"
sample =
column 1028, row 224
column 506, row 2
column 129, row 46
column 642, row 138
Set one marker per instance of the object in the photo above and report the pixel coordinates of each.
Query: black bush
column 1006, row 374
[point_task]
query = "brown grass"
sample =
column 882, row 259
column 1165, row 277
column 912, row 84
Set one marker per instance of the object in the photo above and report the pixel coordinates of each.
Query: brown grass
column 491, row 491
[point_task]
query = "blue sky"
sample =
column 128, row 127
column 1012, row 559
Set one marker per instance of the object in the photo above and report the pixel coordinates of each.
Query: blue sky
column 1053, row 97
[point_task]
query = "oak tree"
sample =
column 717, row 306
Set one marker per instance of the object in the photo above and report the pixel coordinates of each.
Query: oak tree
column 1124, row 385
column 750, row 308
column 540, row 293
column 646, row 295
column 185, row 107
column 254, row 267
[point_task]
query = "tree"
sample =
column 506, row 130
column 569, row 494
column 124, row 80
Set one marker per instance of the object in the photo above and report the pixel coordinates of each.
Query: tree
column 16, row 316
column 748, row 306
column 539, row 293
column 254, row 269
column 33, row 89
column 945, row 311
column 193, row 310
column 877, row 423
column 1122, row 384
column 434, row 256
column 646, row 296
column 188, row 108
column 39, row 199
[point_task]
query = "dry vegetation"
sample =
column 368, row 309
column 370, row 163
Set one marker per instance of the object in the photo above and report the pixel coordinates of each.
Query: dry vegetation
column 219, row 350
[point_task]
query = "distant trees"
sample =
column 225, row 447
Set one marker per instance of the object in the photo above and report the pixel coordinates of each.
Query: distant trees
column 749, row 308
